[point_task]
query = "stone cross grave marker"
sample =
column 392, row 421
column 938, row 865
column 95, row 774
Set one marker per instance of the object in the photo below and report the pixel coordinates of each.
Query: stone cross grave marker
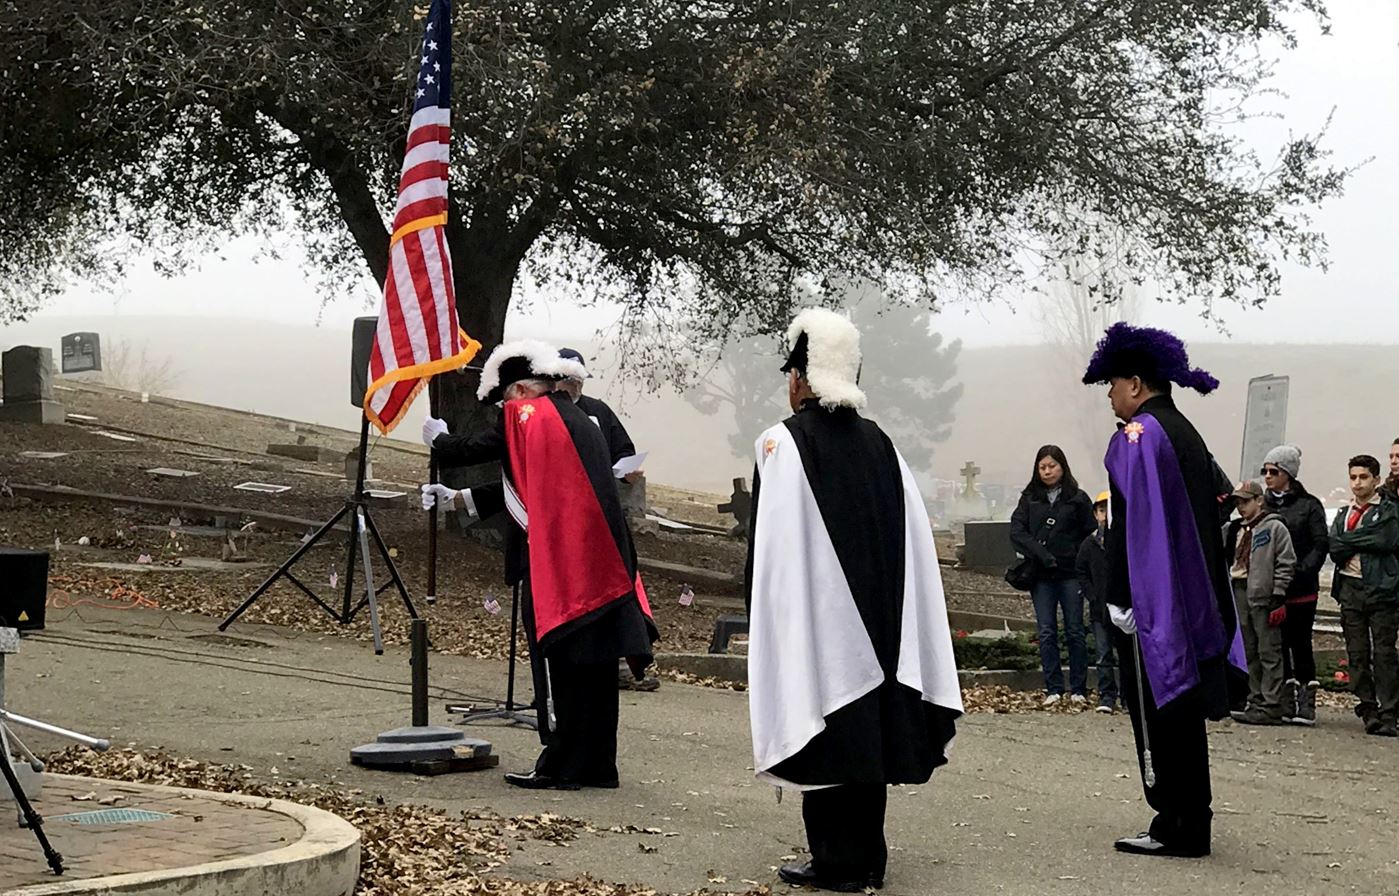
column 970, row 472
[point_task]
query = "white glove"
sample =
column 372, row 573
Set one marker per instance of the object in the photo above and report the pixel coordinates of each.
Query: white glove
column 435, row 494
column 1124, row 619
column 432, row 428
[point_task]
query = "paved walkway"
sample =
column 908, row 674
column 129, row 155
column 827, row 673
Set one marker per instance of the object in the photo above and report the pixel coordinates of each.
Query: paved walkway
column 1028, row 806
column 201, row 828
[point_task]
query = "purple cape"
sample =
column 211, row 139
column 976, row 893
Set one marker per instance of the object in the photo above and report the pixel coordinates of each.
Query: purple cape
column 1173, row 597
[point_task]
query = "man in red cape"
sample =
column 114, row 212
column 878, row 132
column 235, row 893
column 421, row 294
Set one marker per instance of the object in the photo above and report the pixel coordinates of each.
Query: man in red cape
column 570, row 550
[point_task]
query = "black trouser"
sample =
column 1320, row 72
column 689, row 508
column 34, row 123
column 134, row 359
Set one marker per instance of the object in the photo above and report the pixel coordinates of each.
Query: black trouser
column 581, row 745
column 1179, row 751
column 845, row 831
column 1236, row 687
column 1370, row 622
column 1297, row 659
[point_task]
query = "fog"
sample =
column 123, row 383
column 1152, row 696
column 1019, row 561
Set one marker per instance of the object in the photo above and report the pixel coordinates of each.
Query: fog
column 1014, row 399
column 254, row 334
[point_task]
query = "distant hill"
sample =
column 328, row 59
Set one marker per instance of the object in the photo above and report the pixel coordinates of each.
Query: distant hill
column 1017, row 398
column 1341, row 403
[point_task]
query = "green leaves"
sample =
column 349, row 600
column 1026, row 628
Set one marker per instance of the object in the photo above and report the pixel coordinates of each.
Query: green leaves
column 695, row 157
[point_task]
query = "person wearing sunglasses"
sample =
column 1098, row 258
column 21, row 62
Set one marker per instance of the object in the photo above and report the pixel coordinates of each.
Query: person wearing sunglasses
column 1390, row 489
column 1305, row 519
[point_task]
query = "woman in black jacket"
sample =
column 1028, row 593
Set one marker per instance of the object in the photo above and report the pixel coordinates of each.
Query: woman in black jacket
column 1053, row 518
column 1305, row 519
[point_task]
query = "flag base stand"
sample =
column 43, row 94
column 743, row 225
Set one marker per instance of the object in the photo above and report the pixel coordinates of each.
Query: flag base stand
column 507, row 711
column 362, row 529
column 422, row 748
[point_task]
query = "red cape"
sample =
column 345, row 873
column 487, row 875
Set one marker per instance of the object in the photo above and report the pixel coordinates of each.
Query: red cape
column 576, row 567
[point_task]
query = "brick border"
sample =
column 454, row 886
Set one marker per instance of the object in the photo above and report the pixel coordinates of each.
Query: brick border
column 324, row 862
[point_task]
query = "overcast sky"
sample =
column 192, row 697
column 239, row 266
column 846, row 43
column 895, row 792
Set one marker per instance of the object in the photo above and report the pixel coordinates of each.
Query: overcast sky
column 1352, row 70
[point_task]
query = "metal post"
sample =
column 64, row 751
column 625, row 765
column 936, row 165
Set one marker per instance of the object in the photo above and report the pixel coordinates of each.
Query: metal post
column 371, row 596
column 514, row 638
column 418, row 638
column 432, row 392
column 356, row 522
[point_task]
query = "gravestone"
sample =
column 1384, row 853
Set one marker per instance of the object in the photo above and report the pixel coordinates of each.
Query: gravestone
column 81, row 353
column 633, row 497
column 28, row 388
column 988, row 545
column 740, row 504
column 971, row 504
column 726, row 628
column 969, row 473
column 352, row 466
column 1265, row 422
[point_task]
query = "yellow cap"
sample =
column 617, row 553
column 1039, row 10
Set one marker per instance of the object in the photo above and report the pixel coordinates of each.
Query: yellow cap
column 1103, row 498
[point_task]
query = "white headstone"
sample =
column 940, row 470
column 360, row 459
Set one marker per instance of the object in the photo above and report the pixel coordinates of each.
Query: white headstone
column 1265, row 422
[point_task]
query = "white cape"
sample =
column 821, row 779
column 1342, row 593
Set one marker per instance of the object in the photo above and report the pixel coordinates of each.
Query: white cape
column 809, row 653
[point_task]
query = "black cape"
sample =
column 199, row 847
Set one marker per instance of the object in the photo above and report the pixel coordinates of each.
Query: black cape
column 619, row 444
column 897, row 731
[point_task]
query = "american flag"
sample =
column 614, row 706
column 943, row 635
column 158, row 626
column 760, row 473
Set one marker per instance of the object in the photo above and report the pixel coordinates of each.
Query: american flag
column 418, row 335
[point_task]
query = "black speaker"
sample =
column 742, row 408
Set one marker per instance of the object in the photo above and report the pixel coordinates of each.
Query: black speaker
column 24, row 584
column 362, row 343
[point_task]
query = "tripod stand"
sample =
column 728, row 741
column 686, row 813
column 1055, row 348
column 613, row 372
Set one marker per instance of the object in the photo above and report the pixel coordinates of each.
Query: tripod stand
column 28, row 816
column 361, row 529
column 507, row 711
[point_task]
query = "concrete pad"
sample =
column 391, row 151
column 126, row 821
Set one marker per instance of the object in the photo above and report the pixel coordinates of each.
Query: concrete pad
column 190, row 564
column 321, row 473
column 171, row 473
column 208, row 844
column 688, row 573
column 313, row 453
column 265, row 487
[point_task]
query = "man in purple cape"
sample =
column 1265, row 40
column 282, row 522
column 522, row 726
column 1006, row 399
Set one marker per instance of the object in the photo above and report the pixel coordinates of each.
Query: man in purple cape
column 1168, row 581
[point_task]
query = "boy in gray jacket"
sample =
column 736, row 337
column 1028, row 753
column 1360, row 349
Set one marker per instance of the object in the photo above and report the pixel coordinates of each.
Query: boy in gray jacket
column 1261, row 570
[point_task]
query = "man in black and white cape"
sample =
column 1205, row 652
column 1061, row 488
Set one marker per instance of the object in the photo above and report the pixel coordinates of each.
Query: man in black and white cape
column 852, row 683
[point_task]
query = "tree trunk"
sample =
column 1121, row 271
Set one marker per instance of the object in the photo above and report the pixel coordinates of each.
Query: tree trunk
column 484, row 282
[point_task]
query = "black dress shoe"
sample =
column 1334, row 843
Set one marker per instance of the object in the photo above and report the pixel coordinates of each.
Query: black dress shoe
column 804, row 875
column 1146, row 845
column 536, row 781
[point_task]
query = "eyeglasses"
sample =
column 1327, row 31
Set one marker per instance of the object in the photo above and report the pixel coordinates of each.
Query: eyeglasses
column 1270, row 471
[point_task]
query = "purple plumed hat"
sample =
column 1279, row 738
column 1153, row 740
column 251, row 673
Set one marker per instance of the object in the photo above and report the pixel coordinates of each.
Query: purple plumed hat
column 1154, row 355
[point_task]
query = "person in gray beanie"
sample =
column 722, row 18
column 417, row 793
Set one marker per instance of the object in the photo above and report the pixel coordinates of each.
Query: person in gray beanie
column 1305, row 519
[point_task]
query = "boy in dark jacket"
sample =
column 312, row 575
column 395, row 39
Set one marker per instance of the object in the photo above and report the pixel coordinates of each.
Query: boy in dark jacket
column 1364, row 538
column 1092, row 570
column 1261, row 571
column 1305, row 518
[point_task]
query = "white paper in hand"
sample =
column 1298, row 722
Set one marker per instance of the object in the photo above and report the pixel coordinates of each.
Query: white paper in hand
column 628, row 465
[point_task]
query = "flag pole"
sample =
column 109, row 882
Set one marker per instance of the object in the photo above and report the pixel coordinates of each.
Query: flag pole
column 433, row 406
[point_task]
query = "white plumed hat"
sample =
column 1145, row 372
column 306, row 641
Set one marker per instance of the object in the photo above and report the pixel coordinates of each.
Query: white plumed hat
column 826, row 350
column 526, row 359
